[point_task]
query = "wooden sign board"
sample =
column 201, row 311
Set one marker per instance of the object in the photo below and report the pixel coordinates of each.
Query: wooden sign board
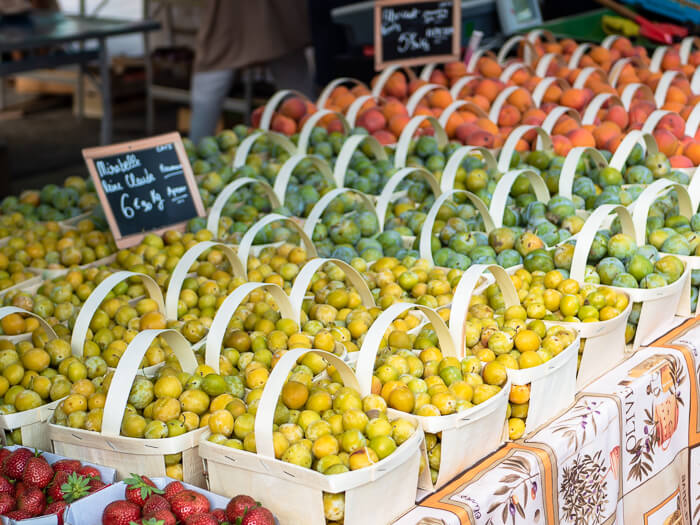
column 145, row 186
column 418, row 32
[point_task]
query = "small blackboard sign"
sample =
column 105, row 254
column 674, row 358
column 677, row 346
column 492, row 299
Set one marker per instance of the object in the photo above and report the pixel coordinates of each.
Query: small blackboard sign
column 145, row 186
column 417, row 32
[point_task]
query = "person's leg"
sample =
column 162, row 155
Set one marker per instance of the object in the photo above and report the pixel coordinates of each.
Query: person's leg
column 209, row 89
column 292, row 72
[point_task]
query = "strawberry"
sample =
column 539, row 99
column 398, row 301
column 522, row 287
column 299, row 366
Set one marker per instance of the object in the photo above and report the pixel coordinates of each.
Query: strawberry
column 32, row 500
column 37, row 472
column 75, row 487
column 69, row 465
column 19, row 489
column 173, row 488
column 121, row 513
column 201, row 518
column 57, row 508
column 6, row 487
column 258, row 516
column 155, row 502
column 13, row 466
column 89, row 472
column 238, row 506
column 219, row 514
column 188, row 502
column 149, row 521
column 19, row 515
column 7, row 503
column 139, row 488
column 53, row 491
column 163, row 515
column 4, row 452
column 96, row 484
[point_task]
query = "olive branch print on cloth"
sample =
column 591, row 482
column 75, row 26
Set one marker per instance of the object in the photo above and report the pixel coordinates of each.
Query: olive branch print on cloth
column 696, row 511
column 574, row 428
column 508, row 495
column 584, row 489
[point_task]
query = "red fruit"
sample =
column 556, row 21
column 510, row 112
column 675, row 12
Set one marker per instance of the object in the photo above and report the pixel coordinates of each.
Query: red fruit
column 172, row 489
column 201, row 518
column 57, row 508
column 7, row 503
column 96, row 484
column 219, row 514
column 32, row 500
column 19, row 515
column 155, row 502
column 53, row 491
column 75, row 487
column 4, row 452
column 238, row 506
column 6, row 487
column 89, row 472
column 37, row 472
column 139, row 488
column 258, row 516
column 19, row 489
column 13, row 466
column 68, row 465
column 163, row 515
column 120, row 513
column 188, row 502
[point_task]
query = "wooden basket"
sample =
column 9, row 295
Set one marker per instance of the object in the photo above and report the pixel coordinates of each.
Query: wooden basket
column 295, row 494
column 126, row 454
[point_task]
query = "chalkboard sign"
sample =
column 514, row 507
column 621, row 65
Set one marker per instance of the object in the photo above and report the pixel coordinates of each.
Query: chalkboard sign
column 413, row 33
column 145, row 186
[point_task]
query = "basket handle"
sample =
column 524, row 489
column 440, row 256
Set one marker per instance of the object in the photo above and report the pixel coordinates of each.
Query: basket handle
column 418, row 95
column 384, row 76
column 584, row 239
column 404, row 142
column 578, row 53
column 98, row 295
column 511, row 68
column 271, row 393
column 568, row 169
column 427, row 71
column 243, row 149
column 317, row 211
column 511, row 43
column 619, row 65
column 476, row 55
column 543, row 85
column 463, row 294
column 508, row 149
column 128, row 367
column 460, row 104
column 353, row 110
column 553, row 117
column 287, row 169
column 693, row 122
column 228, row 192
column 499, row 101
column 497, row 208
column 182, row 268
column 349, row 147
column 663, row 86
column 8, row 310
column 246, row 244
column 686, row 47
column 643, row 203
column 303, row 281
column 624, row 150
column 326, row 93
column 454, row 162
column 273, row 102
column 426, row 233
column 585, row 74
column 310, row 124
column 373, row 337
column 461, row 82
column 389, row 188
column 657, row 57
column 630, row 91
column 591, row 112
column 217, row 330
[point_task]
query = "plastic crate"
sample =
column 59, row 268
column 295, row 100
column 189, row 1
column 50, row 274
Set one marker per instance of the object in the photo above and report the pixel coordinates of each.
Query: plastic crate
column 680, row 10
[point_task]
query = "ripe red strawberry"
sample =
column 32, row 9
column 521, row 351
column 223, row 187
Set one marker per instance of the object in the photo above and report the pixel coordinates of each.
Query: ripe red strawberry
column 173, row 488
column 13, row 466
column 19, row 515
column 32, row 500
column 188, row 502
column 69, row 465
column 219, row 514
column 155, row 502
column 89, row 472
column 6, row 487
column 37, row 472
column 121, row 513
column 4, row 452
column 258, row 516
column 201, row 518
column 163, row 515
column 96, row 484
column 139, row 488
column 57, row 508
column 7, row 503
column 238, row 506
column 53, row 491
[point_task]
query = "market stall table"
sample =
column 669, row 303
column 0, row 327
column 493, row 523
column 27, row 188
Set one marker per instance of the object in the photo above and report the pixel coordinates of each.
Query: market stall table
column 45, row 29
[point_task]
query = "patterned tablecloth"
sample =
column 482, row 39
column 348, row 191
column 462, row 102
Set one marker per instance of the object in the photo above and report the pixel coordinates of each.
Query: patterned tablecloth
column 627, row 452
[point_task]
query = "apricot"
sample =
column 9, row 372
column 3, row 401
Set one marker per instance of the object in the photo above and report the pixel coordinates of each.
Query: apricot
column 568, row 45
column 606, row 131
column 565, row 125
column 414, row 84
column 618, row 115
column 384, row 137
column 599, row 54
column 562, row 145
column 676, row 107
column 680, row 161
column 489, row 89
column 522, row 145
column 467, row 116
column 574, row 98
column 334, row 125
column 488, row 67
column 487, row 125
column 256, row 116
column 284, row 125
column 463, row 131
column 581, row 137
column 372, row 120
column 692, row 151
column 673, row 123
column 509, row 115
column 666, row 141
column 481, row 101
column 671, row 60
column 694, row 58
column 438, row 77
column 396, row 85
column 293, row 108
column 360, row 90
column 424, row 111
column 455, row 69
column 676, row 94
column 552, row 94
column 521, row 99
column 481, row 138
column 520, row 77
column 640, row 110
column 440, row 98
column 343, row 101
column 397, row 123
column 612, row 143
column 394, row 107
column 453, row 122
